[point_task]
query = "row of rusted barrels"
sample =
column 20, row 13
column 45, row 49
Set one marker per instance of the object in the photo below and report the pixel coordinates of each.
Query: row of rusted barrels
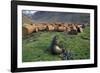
column 62, row 27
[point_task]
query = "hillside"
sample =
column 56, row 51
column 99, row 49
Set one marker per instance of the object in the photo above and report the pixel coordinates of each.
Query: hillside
column 26, row 19
column 45, row 16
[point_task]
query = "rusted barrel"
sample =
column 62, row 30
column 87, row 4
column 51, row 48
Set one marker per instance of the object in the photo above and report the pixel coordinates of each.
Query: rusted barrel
column 50, row 27
column 68, row 29
column 41, row 27
column 79, row 28
column 28, row 29
column 61, row 28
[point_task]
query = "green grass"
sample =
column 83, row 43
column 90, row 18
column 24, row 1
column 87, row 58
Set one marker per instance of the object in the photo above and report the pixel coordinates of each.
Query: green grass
column 35, row 46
